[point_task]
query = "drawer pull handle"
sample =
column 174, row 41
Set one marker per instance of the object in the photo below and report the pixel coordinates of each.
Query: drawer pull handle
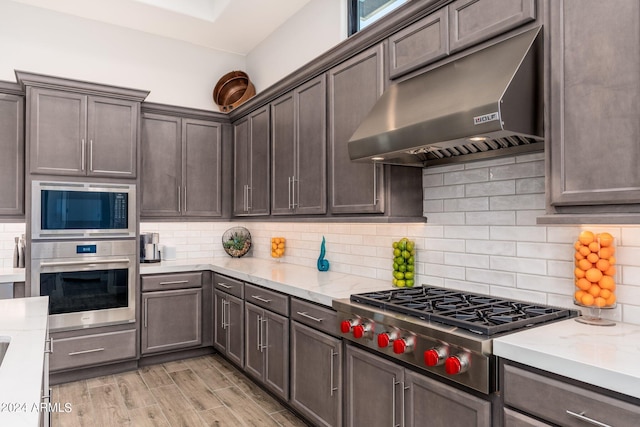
column 175, row 282
column 259, row 298
column 304, row 314
column 586, row 419
column 94, row 350
column 224, row 285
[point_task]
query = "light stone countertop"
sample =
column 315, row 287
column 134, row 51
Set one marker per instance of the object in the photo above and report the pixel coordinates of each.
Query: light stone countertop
column 8, row 275
column 303, row 282
column 605, row 356
column 24, row 320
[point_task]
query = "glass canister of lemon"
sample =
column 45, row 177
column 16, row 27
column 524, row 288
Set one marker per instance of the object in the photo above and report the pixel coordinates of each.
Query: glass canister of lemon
column 404, row 252
column 277, row 247
column 595, row 270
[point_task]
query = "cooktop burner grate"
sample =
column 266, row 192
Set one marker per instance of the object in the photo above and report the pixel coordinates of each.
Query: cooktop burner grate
column 482, row 314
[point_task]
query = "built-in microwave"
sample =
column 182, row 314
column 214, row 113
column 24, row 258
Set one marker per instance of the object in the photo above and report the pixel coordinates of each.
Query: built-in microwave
column 79, row 210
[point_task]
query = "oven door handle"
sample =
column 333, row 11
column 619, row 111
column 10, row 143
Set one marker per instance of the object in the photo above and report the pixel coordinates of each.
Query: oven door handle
column 99, row 261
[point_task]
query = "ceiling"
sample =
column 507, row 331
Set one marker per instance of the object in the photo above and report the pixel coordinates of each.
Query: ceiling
column 235, row 26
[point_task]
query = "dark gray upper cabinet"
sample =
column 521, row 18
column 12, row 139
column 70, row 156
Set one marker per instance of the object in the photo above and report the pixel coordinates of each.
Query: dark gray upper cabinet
column 474, row 21
column 354, row 87
column 181, row 166
column 75, row 134
column 419, row 44
column 12, row 149
column 298, row 138
column 251, row 164
column 593, row 114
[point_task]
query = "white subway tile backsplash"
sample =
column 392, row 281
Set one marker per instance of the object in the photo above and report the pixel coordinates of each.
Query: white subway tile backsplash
column 491, row 188
column 491, row 277
column 550, row 285
column 552, row 251
column 530, row 185
column 517, row 202
column 489, row 162
column 458, row 218
column 466, row 232
column 526, row 234
column 519, row 294
column 466, row 204
column 560, row 268
column 518, row 265
column 434, row 180
column 631, row 314
column 491, row 247
column 466, row 176
column 446, row 192
column 491, row 218
column 528, row 217
column 517, row 171
column 466, row 260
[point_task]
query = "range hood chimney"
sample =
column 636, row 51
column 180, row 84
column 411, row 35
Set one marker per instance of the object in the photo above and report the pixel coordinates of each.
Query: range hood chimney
column 486, row 104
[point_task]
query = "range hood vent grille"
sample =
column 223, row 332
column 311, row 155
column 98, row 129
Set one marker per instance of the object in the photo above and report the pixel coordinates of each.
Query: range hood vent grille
column 485, row 104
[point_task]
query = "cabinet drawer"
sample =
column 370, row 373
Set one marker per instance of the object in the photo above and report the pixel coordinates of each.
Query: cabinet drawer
column 271, row 300
column 321, row 318
column 516, row 419
column 562, row 403
column 165, row 282
column 227, row 284
column 92, row 350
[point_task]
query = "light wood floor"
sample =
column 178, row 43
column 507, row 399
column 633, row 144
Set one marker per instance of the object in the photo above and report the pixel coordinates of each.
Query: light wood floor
column 203, row 391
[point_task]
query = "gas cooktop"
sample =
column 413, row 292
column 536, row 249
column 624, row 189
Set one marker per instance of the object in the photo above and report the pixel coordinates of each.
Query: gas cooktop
column 482, row 314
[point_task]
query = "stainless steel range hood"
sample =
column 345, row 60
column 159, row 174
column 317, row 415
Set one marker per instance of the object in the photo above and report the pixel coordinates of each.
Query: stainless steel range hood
column 486, row 104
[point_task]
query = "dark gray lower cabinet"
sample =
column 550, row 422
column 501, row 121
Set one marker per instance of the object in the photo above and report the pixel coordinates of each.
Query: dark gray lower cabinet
column 228, row 326
column 405, row 398
column 267, row 348
column 316, row 375
column 171, row 320
column 560, row 401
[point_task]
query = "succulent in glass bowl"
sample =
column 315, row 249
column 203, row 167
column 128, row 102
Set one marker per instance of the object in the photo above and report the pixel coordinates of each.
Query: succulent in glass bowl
column 236, row 241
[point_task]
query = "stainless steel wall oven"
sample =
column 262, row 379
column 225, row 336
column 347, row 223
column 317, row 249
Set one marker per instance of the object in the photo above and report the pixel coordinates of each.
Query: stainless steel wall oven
column 89, row 283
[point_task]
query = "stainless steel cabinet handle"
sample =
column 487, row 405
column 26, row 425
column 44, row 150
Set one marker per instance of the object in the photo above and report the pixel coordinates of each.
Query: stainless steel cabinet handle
column 586, row 419
column 265, row 332
column 82, row 150
column 174, row 282
column 87, row 262
column 185, row 198
column 224, row 285
column 245, row 198
column 394, row 383
column 91, row 155
column 289, row 192
column 146, row 312
column 375, row 184
column 404, row 388
column 249, row 204
column 259, row 298
column 223, row 317
column 293, row 192
column 179, row 197
column 331, row 386
column 50, row 349
column 259, row 330
column 304, row 314
column 94, row 350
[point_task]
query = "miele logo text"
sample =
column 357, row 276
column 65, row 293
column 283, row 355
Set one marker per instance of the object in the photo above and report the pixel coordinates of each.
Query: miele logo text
column 486, row 118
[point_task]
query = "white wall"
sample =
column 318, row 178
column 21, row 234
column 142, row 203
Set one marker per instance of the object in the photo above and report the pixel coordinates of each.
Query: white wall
column 176, row 73
column 316, row 28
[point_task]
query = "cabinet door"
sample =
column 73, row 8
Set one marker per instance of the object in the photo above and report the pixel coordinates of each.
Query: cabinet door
column 12, row 159
column 516, row 419
column 254, row 340
column 419, row 44
column 276, row 363
column 235, row 329
column 161, row 165
column 219, row 320
column 241, row 165
column 371, row 377
column 113, row 137
column 354, row 87
column 474, row 21
column 442, row 405
column 316, row 375
column 283, row 151
column 202, row 168
column 594, row 124
column 57, row 132
column 310, row 184
column 171, row 320
column 259, row 170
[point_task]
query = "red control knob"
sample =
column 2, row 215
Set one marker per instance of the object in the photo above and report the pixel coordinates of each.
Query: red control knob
column 358, row 331
column 452, row 365
column 431, row 357
column 399, row 346
column 383, row 340
column 403, row 345
column 436, row 356
column 345, row 326
column 456, row 364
